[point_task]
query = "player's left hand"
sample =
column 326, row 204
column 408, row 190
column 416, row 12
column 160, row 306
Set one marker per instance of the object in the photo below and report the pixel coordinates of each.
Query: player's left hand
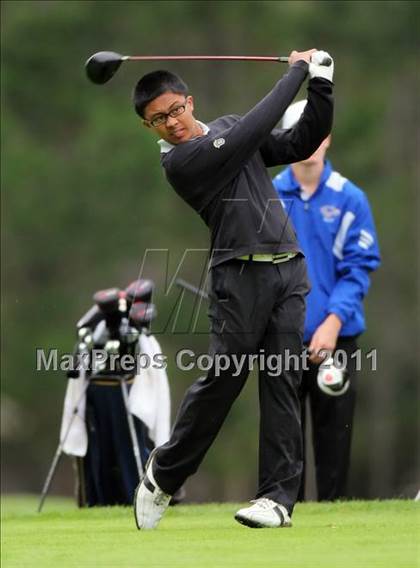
column 324, row 339
column 316, row 69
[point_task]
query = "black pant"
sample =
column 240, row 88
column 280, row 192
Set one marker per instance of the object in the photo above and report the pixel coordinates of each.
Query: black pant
column 253, row 306
column 332, row 422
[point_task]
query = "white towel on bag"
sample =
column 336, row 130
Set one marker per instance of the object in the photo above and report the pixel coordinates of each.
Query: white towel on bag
column 149, row 397
column 76, row 438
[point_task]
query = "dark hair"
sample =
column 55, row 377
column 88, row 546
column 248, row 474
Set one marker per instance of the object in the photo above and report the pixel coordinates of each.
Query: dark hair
column 154, row 84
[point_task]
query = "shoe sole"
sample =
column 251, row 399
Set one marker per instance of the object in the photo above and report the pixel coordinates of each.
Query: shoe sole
column 135, row 505
column 256, row 525
column 248, row 523
column 152, row 453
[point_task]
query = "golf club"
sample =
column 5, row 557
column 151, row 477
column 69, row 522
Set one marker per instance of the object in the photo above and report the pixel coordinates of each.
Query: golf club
column 131, row 426
column 193, row 289
column 102, row 66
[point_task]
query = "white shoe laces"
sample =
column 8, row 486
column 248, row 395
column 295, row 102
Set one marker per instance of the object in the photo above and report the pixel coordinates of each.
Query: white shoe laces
column 160, row 498
column 264, row 503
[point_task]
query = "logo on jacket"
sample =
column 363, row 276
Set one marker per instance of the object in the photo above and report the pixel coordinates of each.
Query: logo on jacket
column 219, row 142
column 329, row 213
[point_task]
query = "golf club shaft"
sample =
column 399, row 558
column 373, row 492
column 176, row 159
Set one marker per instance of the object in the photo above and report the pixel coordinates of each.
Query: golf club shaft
column 193, row 289
column 205, row 58
column 50, row 476
column 132, row 429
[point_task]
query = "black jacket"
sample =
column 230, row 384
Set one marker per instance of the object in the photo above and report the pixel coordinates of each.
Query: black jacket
column 223, row 174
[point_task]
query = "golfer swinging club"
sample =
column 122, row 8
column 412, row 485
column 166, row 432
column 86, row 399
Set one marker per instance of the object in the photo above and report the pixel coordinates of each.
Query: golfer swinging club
column 257, row 275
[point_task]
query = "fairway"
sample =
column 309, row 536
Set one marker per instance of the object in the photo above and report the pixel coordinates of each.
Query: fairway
column 354, row 534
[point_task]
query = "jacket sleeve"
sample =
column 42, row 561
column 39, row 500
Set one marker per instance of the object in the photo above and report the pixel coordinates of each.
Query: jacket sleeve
column 357, row 254
column 287, row 146
column 201, row 159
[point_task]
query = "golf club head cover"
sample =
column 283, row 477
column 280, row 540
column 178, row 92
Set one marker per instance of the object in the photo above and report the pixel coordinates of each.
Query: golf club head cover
column 91, row 318
column 139, row 290
column 316, row 69
column 141, row 314
column 107, row 300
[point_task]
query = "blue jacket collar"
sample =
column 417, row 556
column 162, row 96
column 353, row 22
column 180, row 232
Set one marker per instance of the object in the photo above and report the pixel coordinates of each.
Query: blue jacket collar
column 288, row 181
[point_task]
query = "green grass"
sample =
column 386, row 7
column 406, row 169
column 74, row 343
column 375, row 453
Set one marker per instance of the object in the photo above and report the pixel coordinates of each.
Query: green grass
column 356, row 534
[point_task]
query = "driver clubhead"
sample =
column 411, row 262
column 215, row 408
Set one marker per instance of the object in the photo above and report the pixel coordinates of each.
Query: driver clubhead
column 102, row 66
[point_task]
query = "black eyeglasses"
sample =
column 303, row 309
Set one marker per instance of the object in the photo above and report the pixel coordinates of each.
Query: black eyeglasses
column 162, row 118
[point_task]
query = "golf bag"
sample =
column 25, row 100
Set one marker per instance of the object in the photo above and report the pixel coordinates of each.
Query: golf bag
column 125, row 412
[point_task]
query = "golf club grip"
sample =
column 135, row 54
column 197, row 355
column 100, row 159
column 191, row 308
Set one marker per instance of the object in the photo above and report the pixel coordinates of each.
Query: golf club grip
column 326, row 62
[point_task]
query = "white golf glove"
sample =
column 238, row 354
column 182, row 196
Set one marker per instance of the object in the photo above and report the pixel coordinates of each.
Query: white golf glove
column 318, row 70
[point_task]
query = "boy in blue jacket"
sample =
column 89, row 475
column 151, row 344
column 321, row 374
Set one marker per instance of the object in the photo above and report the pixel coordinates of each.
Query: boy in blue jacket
column 336, row 232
